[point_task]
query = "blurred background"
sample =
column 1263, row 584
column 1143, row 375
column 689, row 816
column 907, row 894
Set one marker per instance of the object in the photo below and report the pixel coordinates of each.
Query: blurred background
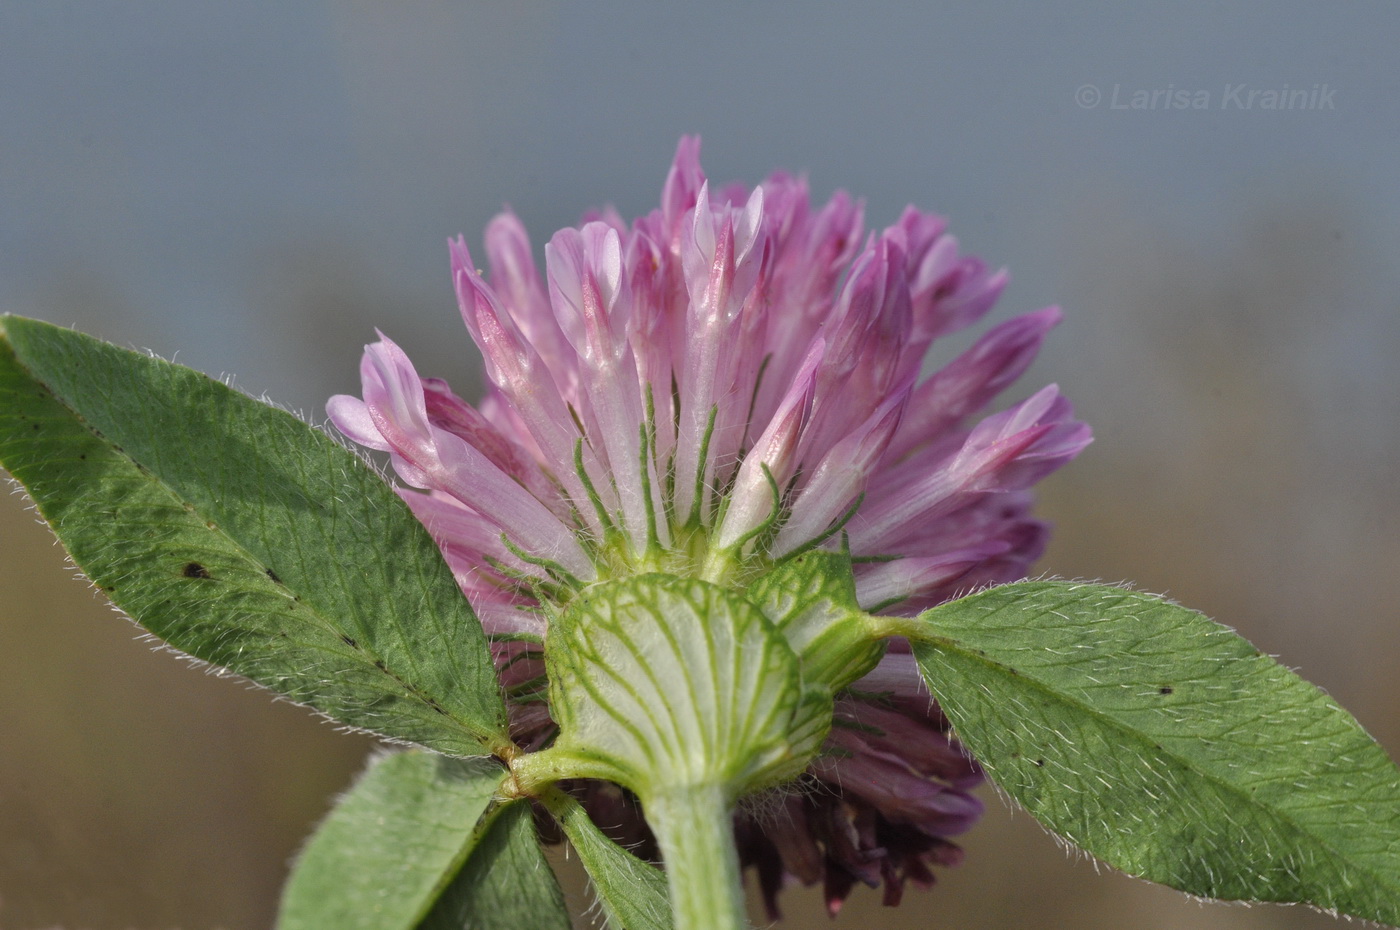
column 251, row 188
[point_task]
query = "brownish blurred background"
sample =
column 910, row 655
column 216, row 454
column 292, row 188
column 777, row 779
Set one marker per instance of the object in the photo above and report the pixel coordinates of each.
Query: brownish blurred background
column 256, row 191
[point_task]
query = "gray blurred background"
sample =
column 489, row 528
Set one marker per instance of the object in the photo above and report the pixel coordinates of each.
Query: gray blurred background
column 253, row 187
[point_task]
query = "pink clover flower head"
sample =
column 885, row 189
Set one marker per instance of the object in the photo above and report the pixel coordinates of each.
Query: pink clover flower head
column 727, row 381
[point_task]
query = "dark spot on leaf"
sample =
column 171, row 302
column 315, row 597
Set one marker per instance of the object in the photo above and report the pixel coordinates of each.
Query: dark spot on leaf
column 195, row 570
column 273, row 575
column 349, row 642
column 36, row 425
column 1040, row 762
column 1165, row 689
column 379, row 664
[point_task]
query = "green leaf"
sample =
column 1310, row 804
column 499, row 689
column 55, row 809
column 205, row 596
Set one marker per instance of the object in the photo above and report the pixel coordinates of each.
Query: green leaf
column 631, row 892
column 506, row 884
column 393, row 844
column 1167, row 746
column 243, row 536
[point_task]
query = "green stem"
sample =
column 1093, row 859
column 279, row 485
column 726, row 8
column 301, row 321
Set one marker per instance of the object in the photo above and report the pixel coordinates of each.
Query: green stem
column 695, row 828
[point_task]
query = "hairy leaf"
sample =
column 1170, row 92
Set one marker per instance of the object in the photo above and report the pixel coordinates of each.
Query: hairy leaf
column 243, row 536
column 1167, row 746
column 506, row 884
column 392, row 845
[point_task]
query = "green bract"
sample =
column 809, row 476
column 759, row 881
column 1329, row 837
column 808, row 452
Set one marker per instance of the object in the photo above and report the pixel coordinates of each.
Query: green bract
column 662, row 681
column 811, row 598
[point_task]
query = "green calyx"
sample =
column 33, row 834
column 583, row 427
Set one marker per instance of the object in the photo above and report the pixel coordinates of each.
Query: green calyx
column 664, row 679
column 658, row 681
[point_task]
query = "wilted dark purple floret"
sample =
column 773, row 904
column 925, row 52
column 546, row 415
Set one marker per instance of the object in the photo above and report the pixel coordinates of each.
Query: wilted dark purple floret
column 880, row 803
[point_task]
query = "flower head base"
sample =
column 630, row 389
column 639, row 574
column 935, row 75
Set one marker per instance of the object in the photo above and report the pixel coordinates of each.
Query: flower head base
column 727, row 383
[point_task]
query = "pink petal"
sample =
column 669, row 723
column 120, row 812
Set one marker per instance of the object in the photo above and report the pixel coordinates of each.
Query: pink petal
column 430, row 457
column 522, row 378
column 720, row 268
column 890, row 582
column 971, row 380
column 840, row 476
column 351, row 417
column 1004, row 452
column 516, row 280
column 751, row 501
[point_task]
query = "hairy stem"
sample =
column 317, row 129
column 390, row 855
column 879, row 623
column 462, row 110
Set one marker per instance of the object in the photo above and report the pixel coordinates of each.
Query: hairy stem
column 695, row 827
